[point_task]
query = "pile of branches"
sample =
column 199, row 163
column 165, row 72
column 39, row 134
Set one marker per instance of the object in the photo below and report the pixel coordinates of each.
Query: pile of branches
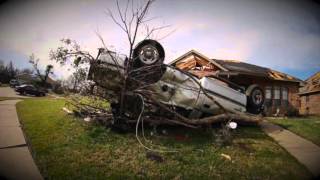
column 94, row 107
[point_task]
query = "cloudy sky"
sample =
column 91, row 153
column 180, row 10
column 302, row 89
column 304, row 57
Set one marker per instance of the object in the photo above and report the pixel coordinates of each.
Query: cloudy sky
column 279, row 34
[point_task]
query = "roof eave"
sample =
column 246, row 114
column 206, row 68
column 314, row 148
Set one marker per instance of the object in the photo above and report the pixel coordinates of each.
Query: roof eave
column 201, row 56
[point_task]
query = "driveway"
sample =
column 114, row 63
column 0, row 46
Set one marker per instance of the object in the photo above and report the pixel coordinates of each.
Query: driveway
column 9, row 92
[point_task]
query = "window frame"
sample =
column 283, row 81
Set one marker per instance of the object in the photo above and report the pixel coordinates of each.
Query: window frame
column 268, row 89
column 282, row 94
column 276, row 91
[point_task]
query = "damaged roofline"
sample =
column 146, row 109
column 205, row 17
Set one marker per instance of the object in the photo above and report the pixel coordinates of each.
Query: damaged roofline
column 233, row 73
column 196, row 53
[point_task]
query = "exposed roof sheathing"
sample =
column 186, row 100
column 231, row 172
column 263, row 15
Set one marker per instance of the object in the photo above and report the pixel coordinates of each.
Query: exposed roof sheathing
column 312, row 84
column 230, row 67
column 196, row 53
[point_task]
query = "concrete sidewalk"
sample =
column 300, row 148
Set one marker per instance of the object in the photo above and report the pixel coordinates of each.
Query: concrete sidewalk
column 303, row 150
column 15, row 158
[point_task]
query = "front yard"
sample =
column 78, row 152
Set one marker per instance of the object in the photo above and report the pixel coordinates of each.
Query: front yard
column 65, row 147
column 308, row 127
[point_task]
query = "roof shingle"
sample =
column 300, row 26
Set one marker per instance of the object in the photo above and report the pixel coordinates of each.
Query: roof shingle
column 251, row 69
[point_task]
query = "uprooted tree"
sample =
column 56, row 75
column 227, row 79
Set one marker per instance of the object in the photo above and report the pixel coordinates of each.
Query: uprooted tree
column 133, row 99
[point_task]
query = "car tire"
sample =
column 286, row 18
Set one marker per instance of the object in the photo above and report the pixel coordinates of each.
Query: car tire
column 148, row 52
column 148, row 57
column 255, row 99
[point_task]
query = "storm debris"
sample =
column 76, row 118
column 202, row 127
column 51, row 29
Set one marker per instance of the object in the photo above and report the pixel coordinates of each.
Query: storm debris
column 226, row 156
column 154, row 157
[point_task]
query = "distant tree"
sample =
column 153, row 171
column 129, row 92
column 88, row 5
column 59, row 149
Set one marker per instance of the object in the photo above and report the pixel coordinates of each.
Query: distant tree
column 42, row 76
column 1, row 65
column 11, row 70
column 7, row 72
column 49, row 70
column 2, row 72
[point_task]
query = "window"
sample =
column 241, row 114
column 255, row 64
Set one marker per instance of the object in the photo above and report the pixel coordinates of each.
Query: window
column 307, row 98
column 268, row 96
column 284, row 93
column 268, row 92
column 276, row 92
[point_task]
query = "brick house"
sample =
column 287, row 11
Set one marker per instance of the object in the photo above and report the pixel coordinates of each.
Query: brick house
column 310, row 96
column 280, row 90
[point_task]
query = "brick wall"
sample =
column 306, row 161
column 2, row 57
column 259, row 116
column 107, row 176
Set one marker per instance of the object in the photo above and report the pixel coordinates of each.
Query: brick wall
column 289, row 107
column 310, row 104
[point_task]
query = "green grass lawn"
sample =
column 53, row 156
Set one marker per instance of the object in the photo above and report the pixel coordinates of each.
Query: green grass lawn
column 69, row 148
column 308, row 127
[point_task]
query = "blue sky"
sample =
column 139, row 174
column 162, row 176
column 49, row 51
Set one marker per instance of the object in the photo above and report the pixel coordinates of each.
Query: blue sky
column 282, row 35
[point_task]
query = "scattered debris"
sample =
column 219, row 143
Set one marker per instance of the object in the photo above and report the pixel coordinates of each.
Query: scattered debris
column 226, row 156
column 67, row 110
column 87, row 119
column 164, row 132
column 154, row 157
column 277, row 112
column 232, row 125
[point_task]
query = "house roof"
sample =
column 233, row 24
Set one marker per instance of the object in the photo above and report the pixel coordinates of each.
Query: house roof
column 312, row 84
column 234, row 67
column 238, row 67
column 196, row 53
column 51, row 81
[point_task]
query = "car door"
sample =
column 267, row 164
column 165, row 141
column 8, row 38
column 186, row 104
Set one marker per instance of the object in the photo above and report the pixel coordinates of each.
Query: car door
column 33, row 90
column 29, row 89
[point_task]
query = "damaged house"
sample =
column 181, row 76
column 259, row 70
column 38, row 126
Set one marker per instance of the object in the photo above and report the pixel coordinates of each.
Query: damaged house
column 310, row 96
column 280, row 90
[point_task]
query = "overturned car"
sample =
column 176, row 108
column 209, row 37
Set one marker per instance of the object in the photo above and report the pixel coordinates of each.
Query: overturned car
column 167, row 92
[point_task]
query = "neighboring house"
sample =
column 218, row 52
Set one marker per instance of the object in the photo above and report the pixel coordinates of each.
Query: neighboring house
column 310, row 96
column 52, row 82
column 280, row 90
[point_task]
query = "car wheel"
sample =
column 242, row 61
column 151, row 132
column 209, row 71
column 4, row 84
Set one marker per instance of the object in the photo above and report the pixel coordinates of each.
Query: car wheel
column 255, row 99
column 148, row 52
column 148, row 57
